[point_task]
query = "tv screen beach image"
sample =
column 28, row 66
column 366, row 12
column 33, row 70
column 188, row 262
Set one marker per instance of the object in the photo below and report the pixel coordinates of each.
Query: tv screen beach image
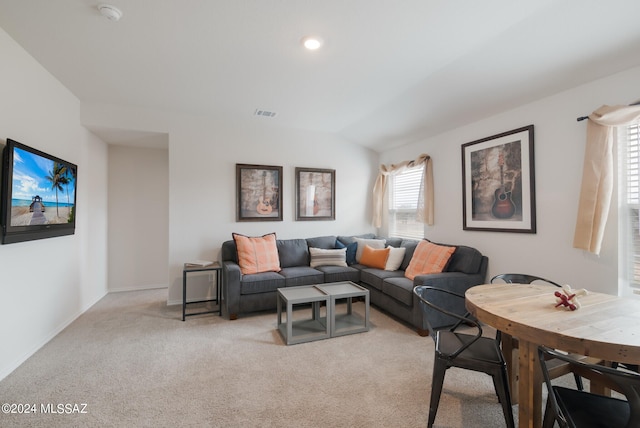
column 42, row 191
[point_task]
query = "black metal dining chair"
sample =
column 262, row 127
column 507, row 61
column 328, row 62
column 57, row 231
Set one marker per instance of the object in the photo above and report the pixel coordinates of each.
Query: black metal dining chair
column 556, row 368
column 521, row 278
column 467, row 350
column 573, row 408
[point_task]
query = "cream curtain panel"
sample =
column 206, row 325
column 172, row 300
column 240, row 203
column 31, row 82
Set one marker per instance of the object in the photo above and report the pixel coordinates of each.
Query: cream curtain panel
column 424, row 213
column 597, row 174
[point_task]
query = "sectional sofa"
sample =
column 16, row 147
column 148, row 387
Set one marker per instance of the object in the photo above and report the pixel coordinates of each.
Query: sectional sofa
column 310, row 261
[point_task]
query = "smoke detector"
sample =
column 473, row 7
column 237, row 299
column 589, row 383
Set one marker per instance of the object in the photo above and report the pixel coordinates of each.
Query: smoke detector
column 110, row 12
column 264, row 113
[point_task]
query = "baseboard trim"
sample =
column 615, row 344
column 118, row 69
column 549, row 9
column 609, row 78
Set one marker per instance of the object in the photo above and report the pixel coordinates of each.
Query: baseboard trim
column 137, row 288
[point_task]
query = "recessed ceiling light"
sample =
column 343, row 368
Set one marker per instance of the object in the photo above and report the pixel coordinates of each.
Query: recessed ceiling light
column 312, row 43
column 110, row 12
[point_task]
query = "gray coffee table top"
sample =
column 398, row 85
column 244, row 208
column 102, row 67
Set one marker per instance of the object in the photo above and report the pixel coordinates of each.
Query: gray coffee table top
column 342, row 289
column 302, row 294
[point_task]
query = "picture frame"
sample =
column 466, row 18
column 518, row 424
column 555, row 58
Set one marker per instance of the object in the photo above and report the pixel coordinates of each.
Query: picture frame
column 498, row 183
column 315, row 194
column 258, row 192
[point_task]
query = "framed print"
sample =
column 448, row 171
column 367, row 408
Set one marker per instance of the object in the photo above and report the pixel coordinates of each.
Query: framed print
column 498, row 183
column 315, row 194
column 258, row 193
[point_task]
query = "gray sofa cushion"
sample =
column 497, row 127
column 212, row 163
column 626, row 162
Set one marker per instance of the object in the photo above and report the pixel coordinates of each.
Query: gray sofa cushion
column 339, row 273
column 346, row 240
column 293, row 252
column 465, row 259
column 400, row 288
column 410, row 246
column 375, row 277
column 393, row 242
column 301, row 275
column 324, row 242
column 261, row 282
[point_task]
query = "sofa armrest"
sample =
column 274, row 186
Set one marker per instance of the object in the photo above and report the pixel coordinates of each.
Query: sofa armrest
column 455, row 281
column 231, row 276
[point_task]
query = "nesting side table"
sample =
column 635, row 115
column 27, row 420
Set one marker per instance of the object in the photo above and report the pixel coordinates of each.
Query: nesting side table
column 316, row 327
column 349, row 322
column 215, row 267
column 306, row 329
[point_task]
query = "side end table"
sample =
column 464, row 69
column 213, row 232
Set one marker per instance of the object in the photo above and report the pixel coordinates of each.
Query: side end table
column 215, row 267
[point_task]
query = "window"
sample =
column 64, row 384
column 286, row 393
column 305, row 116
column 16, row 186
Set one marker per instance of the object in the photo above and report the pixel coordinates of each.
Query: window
column 629, row 207
column 404, row 191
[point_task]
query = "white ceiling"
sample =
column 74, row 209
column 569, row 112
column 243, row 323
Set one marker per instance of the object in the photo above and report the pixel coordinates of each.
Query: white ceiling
column 390, row 71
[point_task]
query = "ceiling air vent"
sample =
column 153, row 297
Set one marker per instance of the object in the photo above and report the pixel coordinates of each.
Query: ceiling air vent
column 264, row 113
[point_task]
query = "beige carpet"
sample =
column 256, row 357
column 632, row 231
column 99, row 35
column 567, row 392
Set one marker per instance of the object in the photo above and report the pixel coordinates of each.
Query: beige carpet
column 134, row 363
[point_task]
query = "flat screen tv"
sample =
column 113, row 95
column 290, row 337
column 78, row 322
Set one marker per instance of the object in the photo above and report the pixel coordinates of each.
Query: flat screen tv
column 38, row 194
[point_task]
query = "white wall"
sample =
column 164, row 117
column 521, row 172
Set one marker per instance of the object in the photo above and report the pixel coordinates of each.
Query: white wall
column 138, row 216
column 47, row 283
column 203, row 153
column 559, row 153
column 203, row 156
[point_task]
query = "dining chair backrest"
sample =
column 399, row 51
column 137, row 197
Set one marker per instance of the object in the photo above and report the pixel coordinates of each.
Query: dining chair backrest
column 623, row 381
column 521, row 278
column 429, row 296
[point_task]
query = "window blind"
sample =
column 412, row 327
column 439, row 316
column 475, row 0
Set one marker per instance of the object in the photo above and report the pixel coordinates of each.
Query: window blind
column 404, row 189
column 630, row 184
column 632, row 165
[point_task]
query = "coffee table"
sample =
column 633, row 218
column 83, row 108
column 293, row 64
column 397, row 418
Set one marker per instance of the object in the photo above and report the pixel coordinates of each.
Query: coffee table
column 349, row 322
column 317, row 326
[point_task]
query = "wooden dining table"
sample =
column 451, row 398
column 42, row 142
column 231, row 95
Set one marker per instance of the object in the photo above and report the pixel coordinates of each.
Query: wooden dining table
column 605, row 327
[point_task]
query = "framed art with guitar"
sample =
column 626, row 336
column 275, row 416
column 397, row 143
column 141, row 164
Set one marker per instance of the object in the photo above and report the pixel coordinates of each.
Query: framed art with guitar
column 258, row 193
column 498, row 183
column 315, row 194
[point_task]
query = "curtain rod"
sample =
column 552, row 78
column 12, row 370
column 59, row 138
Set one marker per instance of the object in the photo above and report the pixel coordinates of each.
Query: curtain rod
column 581, row 118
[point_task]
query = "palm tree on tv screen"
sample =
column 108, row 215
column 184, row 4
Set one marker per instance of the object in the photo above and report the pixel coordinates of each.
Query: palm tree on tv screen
column 57, row 178
column 69, row 177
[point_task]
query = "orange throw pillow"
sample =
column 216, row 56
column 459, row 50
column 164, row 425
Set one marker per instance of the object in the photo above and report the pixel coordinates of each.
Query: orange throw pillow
column 257, row 254
column 374, row 258
column 428, row 258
